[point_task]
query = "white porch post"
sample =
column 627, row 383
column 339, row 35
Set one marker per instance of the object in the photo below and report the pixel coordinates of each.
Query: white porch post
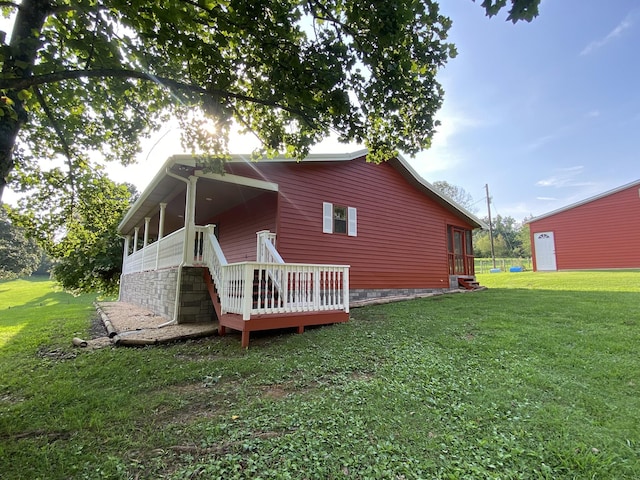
column 136, row 233
column 125, row 253
column 190, row 220
column 147, row 221
column 127, row 240
column 163, row 207
column 145, row 241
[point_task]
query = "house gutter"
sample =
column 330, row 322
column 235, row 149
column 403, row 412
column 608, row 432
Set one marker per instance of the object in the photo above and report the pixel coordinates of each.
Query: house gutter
column 176, row 305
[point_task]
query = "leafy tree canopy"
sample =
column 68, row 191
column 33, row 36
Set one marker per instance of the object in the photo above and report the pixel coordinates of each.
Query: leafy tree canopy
column 19, row 256
column 86, row 75
column 457, row 194
column 510, row 238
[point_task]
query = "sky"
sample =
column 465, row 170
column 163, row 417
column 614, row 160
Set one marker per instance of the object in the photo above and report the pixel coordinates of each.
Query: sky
column 545, row 113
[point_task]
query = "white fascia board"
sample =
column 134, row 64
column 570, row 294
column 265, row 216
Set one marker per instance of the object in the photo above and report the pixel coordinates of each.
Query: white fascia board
column 190, row 160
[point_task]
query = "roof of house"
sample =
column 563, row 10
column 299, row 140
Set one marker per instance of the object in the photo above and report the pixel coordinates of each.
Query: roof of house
column 172, row 176
column 585, row 201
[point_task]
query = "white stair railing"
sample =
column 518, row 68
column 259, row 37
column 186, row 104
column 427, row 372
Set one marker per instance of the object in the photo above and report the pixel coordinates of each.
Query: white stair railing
column 212, row 256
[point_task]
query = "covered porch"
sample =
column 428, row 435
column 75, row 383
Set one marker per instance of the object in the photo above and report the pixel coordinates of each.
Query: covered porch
column 166, row 231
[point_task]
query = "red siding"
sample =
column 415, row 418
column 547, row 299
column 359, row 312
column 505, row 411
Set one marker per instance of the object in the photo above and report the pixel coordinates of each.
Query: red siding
column 604, row 233
column 237, row 227
column 401, row 240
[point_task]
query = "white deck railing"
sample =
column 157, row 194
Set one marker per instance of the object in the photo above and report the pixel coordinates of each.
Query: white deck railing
column 250, row 288
column 166, row 252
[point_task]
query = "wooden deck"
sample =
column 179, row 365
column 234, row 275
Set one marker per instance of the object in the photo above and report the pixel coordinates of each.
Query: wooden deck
column 275, row 321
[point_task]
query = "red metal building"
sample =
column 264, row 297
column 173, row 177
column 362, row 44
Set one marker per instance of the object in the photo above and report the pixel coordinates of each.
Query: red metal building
column 601, row 232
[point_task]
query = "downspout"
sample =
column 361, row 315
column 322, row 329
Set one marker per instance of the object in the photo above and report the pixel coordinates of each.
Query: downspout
column 176, row 305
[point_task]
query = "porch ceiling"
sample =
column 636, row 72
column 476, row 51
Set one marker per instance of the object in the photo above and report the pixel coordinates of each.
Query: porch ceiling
column 214, row 194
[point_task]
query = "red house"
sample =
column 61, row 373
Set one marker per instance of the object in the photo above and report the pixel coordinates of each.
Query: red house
column 280, row 243
column 601, row 232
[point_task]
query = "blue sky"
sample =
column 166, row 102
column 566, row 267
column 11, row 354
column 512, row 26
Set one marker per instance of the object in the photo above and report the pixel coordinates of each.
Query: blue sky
column 546, row 113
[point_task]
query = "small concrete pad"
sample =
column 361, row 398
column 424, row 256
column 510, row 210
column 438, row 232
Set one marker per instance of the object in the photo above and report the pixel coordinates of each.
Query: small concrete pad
column 136, row 326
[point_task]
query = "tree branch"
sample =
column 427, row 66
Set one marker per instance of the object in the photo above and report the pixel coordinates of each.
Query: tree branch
column 33, row 81
column 56, row 127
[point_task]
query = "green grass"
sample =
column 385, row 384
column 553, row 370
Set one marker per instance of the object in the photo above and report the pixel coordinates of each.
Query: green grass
column 536, row 377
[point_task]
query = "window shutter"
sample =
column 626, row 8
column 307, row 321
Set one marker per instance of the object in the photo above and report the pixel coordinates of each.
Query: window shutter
column 327, row 217
column 353, row 222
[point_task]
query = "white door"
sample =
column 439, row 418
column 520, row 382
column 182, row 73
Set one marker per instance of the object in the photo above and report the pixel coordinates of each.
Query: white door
column 545, row 251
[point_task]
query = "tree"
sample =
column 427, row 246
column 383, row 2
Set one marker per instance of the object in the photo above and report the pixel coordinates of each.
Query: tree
column 19, row 256
column 83, row 75
column 457, row 194
column 510, row 239
column 81, row 238
column 89, row 256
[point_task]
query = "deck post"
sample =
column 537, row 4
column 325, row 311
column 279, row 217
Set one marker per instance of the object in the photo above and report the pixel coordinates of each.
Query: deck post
column 247, row 292
column 345, row 288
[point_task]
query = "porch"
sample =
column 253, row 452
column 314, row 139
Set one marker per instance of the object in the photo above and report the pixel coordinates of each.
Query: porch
column 250, row 296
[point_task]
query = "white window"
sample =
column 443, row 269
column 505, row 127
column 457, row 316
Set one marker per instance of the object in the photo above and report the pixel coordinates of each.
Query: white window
column 339, row 219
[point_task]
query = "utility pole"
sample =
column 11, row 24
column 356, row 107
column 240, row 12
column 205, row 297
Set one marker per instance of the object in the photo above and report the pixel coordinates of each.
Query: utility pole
column 493, row 253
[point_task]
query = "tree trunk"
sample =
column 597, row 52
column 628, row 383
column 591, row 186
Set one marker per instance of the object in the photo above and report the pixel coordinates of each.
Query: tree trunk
column 8, row 134
column 22, row 52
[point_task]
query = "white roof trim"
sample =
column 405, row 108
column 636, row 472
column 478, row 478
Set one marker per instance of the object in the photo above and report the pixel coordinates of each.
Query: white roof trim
column 586, row 200
column 190, row 160
column 239, row 180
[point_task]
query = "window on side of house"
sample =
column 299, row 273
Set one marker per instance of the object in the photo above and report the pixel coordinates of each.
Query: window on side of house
column 339, row 219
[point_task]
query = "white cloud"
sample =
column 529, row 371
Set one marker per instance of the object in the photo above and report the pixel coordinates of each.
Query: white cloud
column 612, row 35
column 547, row 199
column 541, row 141
column 564, row 177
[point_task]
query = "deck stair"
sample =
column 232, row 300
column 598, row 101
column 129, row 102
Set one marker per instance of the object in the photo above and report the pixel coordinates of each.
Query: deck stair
column 469, row 283
column 213, row 292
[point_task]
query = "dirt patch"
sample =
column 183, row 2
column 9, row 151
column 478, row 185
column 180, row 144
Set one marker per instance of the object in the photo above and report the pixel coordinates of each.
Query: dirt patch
column 97, row 328
column 276, row 391
column 57, row 354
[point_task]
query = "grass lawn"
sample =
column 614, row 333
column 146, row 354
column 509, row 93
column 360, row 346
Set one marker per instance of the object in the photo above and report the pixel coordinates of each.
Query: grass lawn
column 537, row 377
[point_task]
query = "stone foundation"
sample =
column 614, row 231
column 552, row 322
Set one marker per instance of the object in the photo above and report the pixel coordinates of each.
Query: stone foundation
column 362, row 295
column 156, row 291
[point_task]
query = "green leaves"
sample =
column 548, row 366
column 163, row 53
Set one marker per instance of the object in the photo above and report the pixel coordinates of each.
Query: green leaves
column 520, row 9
